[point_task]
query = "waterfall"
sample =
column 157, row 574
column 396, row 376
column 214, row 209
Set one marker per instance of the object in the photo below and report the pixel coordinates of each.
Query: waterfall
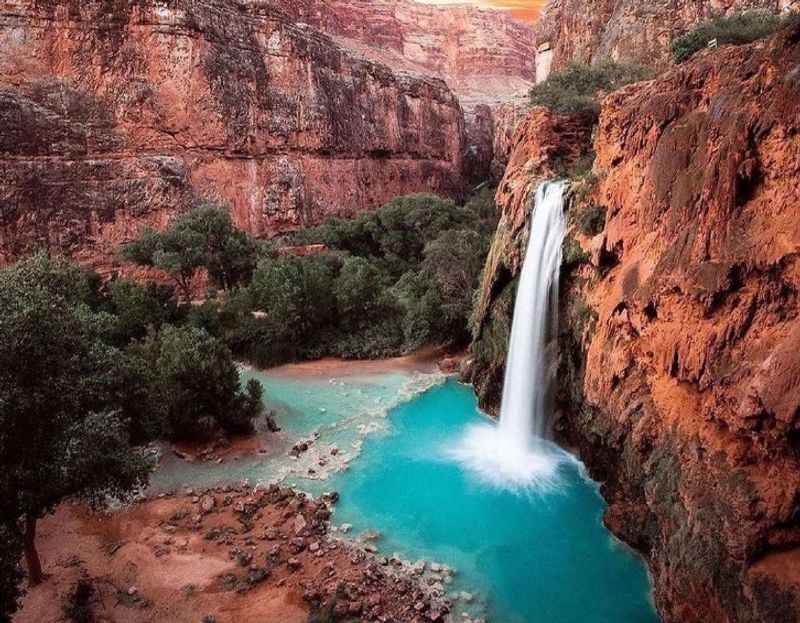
column 515, row 453
column 531, row 362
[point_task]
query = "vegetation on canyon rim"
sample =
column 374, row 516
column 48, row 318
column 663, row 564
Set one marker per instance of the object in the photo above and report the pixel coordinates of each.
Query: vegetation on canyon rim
column 578, row 87
column 735, row 29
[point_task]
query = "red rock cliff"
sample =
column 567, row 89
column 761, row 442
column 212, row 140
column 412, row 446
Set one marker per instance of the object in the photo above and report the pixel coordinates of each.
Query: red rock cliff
column 115, row 114
column 680, row 354
column 639, row 31
column 486, row 57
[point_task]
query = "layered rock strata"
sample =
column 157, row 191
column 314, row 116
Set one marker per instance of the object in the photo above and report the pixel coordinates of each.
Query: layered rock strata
column 627, row 30
column 116, row 115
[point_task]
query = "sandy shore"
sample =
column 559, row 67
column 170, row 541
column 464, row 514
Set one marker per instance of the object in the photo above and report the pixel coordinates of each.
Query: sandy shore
column 425, row 360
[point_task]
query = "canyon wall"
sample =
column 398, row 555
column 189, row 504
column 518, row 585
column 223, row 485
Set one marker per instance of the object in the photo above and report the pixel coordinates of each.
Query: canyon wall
column 486, row 57
column 118, row 114
column 680, row 344
column 628, row 30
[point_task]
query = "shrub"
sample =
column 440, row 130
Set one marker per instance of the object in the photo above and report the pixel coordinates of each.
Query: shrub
column 572, row 253
column 591, row 219
column 577, row 88
column 190, row 378
column 735, row 29
column 77, row 606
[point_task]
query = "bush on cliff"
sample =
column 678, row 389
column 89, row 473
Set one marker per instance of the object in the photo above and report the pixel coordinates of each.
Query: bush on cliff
column 578, row 87
column 735, row 29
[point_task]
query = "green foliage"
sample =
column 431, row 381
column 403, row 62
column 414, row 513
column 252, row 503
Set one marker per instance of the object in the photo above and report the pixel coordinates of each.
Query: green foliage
column 10, row 570
column 577, row 88
column 437, row 300
column 572, row 253
column 396, row 234
column 77, row 606
column 139, row 308
column 391, row 281
column 296, row 293
column 61, row 434
column 205, row 237
column 734, row 29
column 193, row 378
column 357, row 288
column 590, row 219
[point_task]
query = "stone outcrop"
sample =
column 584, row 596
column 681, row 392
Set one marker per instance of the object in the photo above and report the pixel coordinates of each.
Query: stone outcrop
column 627, row 30
column 116, row 115
column 680, row 344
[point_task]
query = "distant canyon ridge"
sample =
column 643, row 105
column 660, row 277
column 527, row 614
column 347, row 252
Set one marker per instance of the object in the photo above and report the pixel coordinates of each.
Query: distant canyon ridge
column 119, row 115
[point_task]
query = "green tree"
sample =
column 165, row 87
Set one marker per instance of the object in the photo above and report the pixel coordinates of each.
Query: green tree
column 357, row 288
column 10, row 571
column 205, row 237
column 455, row 260
column 295, row 294
column 61, row 434
column 576, row 89
column 138, row 308
column 193, row 376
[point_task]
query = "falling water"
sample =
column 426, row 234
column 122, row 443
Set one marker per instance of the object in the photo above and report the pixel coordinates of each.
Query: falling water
column 515, row 453
column 530, row 367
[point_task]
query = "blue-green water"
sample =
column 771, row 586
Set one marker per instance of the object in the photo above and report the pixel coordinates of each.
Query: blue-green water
column 545, row 559
column 528, row 557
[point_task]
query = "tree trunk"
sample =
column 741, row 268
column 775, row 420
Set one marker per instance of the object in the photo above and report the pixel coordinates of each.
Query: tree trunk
column 31, row 555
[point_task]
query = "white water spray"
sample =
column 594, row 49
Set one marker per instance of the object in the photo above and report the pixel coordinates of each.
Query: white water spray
column 531, row 362
column 515, row 453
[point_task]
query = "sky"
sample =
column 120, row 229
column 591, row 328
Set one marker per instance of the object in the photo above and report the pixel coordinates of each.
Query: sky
column 523, row 9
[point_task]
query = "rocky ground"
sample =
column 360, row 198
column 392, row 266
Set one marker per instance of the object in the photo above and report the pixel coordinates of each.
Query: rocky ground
column 228, row 554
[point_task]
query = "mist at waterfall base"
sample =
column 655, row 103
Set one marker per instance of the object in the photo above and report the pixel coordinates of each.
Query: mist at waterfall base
column 516, row 453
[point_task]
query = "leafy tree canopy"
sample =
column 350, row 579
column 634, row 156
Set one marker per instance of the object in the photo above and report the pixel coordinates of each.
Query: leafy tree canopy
column 205, row 237
column 61, row 434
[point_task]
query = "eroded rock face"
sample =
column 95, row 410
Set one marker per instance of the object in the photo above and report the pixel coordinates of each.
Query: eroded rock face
column 115, row 115
column 680, row 346
column 543, row 145
column 693, row 369
column 486, row 57
column 629, row 30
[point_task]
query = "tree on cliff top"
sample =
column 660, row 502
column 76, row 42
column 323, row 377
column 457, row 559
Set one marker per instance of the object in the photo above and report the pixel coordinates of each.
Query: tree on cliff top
column 205, row 237
column 60, row 431
column 578, row 87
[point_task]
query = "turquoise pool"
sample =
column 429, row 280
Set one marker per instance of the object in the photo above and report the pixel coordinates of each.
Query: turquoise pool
column 532, row 557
